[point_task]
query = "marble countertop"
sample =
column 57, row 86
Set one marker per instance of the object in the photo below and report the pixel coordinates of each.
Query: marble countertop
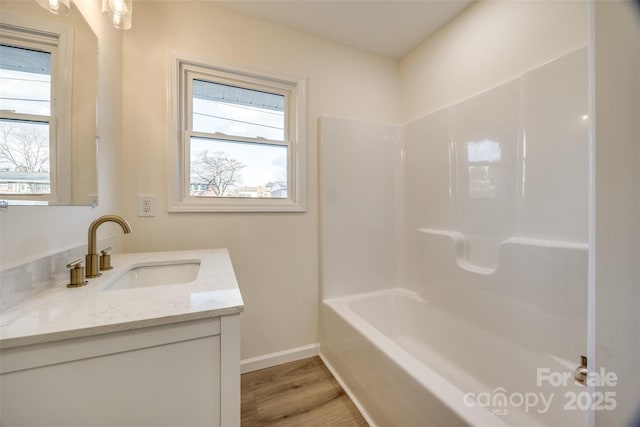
column 63, row 313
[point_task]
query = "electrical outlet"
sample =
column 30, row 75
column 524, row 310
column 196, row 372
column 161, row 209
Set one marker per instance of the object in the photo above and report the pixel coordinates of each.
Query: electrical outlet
column 146, row 205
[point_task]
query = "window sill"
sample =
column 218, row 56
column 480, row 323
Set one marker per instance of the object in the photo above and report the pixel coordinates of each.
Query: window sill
column 237, row 205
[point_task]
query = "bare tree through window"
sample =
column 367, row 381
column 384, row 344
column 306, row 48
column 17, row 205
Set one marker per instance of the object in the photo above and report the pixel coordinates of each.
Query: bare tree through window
column 217, row 172
column 23, row 148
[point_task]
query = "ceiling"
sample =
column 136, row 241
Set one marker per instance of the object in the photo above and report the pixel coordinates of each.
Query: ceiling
column 390, row 28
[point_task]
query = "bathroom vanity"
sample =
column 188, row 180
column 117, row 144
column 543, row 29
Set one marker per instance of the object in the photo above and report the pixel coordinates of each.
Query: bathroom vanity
column 153, row 342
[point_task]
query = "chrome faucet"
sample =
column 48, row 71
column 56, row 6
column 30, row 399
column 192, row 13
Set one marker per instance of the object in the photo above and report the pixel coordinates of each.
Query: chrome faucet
column 92, row 266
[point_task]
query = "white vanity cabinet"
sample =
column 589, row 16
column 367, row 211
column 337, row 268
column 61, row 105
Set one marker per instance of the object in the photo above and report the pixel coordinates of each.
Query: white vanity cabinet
column 155, row 356
column 182, row 374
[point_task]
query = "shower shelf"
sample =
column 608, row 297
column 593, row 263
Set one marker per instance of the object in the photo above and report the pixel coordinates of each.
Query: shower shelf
column 459, row 242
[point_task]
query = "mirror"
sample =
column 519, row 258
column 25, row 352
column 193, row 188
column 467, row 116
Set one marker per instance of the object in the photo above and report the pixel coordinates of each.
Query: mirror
column 48, row 100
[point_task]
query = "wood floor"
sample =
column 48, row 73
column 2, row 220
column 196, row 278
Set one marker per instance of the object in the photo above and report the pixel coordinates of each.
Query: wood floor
column 301, row 393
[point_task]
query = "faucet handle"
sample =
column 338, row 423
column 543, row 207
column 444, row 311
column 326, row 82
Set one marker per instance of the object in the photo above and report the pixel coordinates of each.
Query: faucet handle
column 105, row 259
column 76, row 272
column 75, row 264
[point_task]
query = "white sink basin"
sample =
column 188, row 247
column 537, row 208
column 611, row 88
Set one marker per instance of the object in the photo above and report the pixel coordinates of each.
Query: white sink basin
column 156, row 274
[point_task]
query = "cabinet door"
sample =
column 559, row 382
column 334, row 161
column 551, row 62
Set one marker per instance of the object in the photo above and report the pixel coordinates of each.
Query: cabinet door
column 175, row 384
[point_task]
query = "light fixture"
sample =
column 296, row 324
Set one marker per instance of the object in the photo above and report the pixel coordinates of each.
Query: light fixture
column 120, row 12
column 59, row 7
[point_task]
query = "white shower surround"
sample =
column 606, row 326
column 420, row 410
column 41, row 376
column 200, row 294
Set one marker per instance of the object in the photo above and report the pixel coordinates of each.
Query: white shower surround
column 477, row 212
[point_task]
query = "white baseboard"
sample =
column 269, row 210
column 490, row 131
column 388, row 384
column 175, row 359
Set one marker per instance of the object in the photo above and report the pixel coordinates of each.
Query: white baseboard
column 346, row 389
column 278, row 358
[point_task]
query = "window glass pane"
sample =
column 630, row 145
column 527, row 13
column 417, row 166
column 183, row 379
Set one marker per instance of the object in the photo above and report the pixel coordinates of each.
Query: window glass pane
column 25, row 81
column 237, row 169
column 236, row 111
column 24, row 157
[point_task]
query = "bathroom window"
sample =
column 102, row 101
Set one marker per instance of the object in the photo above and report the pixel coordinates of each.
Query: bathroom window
column 33, row 96
column 238, row 140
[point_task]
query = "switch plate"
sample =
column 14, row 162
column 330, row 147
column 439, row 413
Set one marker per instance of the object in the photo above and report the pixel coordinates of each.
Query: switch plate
column 146, row 205
column 93, row 200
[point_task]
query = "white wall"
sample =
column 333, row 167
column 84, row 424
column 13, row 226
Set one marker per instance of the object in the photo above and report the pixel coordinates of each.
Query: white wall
column 275, row 255
column 30, row 232
column 489, row 43
column 617, row 156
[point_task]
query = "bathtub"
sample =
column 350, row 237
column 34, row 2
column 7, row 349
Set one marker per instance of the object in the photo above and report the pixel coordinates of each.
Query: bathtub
column 406, row 363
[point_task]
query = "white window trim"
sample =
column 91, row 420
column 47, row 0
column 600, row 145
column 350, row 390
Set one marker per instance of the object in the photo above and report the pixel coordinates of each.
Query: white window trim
column 177, row 177
column 30, row 30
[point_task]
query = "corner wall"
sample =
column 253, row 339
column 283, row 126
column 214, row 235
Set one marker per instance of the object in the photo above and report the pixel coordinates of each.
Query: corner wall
column 489, row 43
